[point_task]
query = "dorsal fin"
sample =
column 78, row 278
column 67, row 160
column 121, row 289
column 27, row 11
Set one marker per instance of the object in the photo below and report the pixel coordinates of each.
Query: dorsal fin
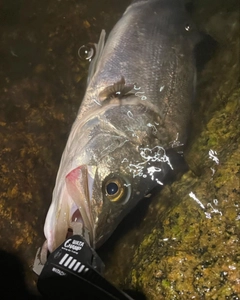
column 98, row 52
column 118, row 90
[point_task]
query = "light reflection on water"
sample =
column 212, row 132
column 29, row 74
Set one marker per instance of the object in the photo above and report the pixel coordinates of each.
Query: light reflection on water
column 208, row 207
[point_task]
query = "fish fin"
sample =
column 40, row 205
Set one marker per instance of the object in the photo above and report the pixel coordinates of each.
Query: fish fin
column 117, row 90
column 98, row 52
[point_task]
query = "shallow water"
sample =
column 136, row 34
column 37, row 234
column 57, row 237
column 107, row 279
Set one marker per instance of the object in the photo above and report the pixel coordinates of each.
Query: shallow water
column 42, row 83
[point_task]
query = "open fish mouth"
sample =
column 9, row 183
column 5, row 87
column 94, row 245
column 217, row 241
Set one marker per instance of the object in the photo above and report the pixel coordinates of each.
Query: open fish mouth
column 79, row 184
column 72, row 213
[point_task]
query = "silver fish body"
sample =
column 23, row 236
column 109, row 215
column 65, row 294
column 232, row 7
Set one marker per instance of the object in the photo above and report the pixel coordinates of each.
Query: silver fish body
column 137, row 105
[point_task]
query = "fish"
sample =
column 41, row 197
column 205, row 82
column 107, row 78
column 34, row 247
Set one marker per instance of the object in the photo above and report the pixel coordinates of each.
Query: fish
column 136, row 107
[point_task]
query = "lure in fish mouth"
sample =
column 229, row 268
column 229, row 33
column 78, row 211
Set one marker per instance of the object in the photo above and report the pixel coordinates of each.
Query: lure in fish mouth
column 137, row 106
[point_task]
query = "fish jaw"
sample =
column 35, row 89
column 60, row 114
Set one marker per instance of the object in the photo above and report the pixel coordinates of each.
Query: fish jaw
column 71, row 208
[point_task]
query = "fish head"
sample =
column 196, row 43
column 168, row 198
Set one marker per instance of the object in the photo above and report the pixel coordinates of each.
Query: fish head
column 95, row 195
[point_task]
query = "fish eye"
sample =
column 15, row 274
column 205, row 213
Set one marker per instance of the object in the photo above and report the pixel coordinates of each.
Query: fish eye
column 115, row 189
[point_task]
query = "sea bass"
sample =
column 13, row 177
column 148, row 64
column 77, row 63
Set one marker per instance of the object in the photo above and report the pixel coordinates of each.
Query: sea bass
column 137, row 106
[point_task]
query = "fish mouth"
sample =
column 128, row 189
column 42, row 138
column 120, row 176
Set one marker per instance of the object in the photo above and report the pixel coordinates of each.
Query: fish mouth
column 72, row 212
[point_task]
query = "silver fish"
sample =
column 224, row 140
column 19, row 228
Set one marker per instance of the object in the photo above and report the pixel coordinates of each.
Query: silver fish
column 137, row 105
